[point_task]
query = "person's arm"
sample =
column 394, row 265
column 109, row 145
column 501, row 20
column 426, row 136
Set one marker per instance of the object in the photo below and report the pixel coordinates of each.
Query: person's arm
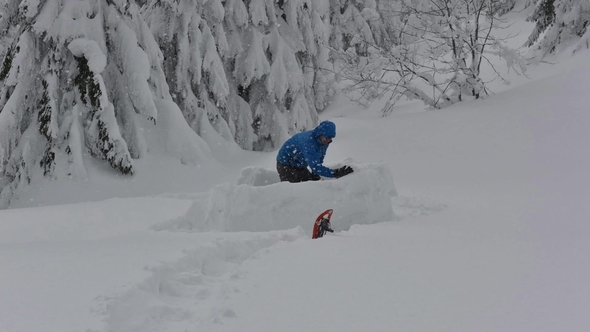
column 315, row 161
column 336, row 173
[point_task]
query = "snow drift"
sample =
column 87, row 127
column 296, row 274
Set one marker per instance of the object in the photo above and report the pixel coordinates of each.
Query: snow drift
column 259, row 202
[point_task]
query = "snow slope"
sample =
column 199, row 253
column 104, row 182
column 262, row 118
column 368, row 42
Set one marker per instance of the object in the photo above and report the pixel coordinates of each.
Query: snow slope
column 491, row 234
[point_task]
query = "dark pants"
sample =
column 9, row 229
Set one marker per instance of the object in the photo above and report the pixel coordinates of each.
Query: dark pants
column 295, row 174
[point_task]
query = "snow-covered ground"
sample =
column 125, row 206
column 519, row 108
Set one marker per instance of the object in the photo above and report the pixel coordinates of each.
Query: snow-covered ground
column 488, row 230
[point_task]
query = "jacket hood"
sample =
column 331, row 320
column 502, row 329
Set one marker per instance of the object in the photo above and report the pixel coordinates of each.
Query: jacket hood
column 326, row 129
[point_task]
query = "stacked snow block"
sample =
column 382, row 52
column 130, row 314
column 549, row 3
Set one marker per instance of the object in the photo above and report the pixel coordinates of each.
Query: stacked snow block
column 258, row 202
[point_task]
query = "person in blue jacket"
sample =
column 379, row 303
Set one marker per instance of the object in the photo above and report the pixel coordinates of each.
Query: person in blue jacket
column 308, row 149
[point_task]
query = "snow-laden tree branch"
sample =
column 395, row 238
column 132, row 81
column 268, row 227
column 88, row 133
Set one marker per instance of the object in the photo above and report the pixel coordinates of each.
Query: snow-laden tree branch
column 433, row 51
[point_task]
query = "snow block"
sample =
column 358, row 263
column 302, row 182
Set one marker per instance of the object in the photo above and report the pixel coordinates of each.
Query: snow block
column 258, row 177
column 363, row 197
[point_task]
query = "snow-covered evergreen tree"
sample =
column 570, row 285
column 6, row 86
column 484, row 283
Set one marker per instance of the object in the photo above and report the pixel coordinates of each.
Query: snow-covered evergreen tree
column 543, row 15
column 359, row 25
column 502, row 7
column 193, row 66
column 254, row 70
column 560, row 22
column 73, row 78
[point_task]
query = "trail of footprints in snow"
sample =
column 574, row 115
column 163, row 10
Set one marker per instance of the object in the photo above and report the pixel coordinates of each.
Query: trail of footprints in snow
column 191, row 291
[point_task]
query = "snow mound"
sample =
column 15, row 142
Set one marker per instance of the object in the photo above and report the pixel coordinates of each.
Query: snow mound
column 89, row 49
column 258, row 202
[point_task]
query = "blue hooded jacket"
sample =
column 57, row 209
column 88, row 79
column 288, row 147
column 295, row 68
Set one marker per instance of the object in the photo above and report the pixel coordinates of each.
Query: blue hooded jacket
column 306, row 149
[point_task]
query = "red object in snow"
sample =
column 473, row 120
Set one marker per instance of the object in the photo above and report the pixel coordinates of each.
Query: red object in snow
column 326, row 215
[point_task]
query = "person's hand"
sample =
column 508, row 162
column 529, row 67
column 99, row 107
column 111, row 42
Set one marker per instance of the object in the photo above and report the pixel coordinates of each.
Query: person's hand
column 342, row 171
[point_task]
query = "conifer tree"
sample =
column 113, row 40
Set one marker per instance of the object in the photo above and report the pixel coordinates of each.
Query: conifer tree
column 543, row 15
column 502, row 7
column 561, row 22
column 357, row 26
column 73, row 79
column 256, row 71
column 193, row 39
